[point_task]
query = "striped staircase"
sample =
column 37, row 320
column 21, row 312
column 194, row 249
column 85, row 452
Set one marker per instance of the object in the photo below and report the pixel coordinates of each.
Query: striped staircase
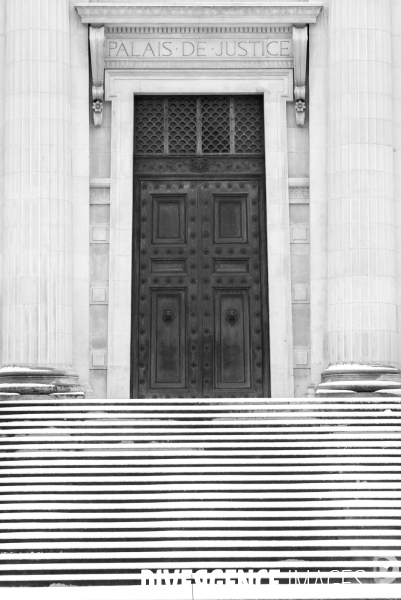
column 94, row 491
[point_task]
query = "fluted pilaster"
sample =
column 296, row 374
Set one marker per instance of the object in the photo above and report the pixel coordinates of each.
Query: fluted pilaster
column 37, row 204
column 361, row 221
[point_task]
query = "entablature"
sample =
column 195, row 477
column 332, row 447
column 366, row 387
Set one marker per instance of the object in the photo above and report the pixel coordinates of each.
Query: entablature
column 184, row 35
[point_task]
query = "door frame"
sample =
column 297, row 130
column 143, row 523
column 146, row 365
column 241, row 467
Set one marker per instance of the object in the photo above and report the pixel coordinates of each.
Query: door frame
column 276, row 85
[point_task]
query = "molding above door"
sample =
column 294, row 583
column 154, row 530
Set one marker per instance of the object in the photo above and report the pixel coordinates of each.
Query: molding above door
column 190, row 13
column 184, row 36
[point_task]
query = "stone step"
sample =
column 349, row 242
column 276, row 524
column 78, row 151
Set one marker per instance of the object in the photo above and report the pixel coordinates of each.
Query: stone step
column 96, row 491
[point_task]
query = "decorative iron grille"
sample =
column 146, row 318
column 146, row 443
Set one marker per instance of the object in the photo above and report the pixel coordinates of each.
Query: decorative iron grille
column 188, row 125
column 182, row 125
column 149, row 125
column 215, row 124
column 248, row 124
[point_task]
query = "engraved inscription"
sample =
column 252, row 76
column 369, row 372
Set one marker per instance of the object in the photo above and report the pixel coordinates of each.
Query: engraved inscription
column 149, row 48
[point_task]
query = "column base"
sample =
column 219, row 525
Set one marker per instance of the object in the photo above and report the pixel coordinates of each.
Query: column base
column 28, row 380
column 359, row 378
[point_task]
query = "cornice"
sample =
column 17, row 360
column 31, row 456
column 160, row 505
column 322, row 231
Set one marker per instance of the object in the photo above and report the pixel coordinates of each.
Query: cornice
column 187, row 12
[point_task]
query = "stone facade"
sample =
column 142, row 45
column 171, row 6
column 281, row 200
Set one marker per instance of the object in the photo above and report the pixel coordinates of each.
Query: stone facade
column 332, row 179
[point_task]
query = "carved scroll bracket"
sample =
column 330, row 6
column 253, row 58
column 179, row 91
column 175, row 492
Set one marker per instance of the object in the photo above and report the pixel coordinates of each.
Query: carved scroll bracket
column 300, row 41
column 97, row 42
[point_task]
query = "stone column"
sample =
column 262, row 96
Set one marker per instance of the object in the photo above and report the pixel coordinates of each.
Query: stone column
column 361, row 215
column 37, row 310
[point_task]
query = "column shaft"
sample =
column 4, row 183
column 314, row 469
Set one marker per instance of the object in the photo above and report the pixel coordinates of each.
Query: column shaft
column 37, row 204
column 362, row 268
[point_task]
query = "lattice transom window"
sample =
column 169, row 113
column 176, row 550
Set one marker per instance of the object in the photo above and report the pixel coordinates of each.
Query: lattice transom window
column 178, row 125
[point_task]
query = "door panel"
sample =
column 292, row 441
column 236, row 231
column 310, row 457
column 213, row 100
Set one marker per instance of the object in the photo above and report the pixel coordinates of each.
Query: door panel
column 201, row 329
column 230, row 219
column 167, row 335
column 168, row 217
column 232, row 256
column 167, row 340
column 232, row 356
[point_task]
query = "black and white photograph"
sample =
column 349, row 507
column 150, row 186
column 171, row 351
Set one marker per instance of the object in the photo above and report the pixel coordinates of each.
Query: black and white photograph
column 200, row 300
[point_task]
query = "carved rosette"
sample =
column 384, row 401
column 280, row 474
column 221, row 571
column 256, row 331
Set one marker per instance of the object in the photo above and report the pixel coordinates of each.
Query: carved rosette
column 97, row 41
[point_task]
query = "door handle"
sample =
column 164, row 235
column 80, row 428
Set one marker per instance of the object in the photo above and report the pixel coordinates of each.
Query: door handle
column 232, row 316
column 168, row 316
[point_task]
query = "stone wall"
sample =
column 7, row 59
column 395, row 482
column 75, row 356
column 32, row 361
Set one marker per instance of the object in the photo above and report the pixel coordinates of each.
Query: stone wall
column 298, row 173
column 100, row 140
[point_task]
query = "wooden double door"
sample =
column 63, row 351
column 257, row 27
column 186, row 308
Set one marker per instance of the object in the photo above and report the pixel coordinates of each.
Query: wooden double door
column 200, row 318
